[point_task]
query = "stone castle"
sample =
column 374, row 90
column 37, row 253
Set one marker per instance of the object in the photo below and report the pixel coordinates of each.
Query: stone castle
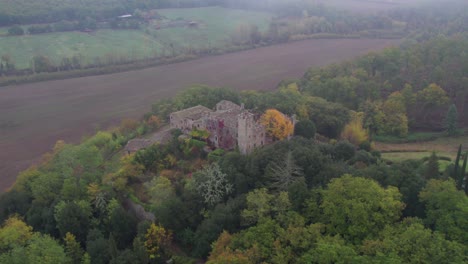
column 230, row 125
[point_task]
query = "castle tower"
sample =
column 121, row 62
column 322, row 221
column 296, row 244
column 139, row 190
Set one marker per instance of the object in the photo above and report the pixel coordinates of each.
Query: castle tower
column 250, row 134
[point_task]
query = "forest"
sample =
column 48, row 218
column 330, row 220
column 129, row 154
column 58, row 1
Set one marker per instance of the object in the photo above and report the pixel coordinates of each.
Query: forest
column 323, row 196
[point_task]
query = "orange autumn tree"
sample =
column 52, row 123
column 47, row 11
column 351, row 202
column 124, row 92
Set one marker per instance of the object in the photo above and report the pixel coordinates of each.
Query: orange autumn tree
column 277, row 125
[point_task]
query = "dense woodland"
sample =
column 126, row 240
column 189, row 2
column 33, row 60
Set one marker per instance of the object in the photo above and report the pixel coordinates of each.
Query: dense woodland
column 409, row 88
column 323, row 196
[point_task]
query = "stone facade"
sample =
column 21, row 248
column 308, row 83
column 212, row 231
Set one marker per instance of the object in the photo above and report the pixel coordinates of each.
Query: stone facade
column 230, row 126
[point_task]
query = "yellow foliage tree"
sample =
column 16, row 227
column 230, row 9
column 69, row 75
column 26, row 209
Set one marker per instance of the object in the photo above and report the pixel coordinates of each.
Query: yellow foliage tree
column 277, row 124
column 128, row 169
column 14, row 232
column 354, row 131
column 157, row 238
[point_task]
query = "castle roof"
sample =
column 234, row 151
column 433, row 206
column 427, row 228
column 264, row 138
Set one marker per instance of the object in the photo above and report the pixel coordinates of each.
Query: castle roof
column 193, row 113
column 227, row 105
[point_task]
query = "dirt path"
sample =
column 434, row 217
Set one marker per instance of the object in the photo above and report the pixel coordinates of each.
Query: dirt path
column 34, row 116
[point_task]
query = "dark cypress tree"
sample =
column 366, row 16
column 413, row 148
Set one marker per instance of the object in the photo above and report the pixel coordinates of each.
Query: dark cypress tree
column 454, row 174
column 463, row 176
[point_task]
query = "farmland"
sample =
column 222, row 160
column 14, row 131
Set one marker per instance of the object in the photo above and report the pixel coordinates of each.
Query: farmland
column 216, row 25
column 443, row 147
column 34, row 116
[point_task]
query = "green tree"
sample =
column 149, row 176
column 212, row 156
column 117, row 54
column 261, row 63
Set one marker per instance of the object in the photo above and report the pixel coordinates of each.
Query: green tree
column 39, row 249
column 73, row 249
column 395, row 119
column 329, row 250
column 262, row 205
column 373, row 117
column 305, row 128
column 14, row 232
column 97, row 247
column 451, row 120
column 359, row 208
column 432, row 167
column 446, row 209
column 73, row 217
column 410, row 242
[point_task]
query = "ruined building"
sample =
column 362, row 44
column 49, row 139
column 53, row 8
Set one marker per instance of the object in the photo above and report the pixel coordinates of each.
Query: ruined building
column 230, row 125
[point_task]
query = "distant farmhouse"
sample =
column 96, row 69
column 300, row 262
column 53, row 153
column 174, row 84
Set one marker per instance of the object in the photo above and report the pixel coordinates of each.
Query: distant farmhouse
column 230, row 125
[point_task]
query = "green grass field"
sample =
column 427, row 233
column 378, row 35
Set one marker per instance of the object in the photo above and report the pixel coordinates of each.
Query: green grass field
column 444, row 147
column 102, row 43
column 215, row 27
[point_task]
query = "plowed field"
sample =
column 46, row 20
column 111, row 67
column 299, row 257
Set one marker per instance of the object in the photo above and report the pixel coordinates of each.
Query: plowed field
column 34, row 116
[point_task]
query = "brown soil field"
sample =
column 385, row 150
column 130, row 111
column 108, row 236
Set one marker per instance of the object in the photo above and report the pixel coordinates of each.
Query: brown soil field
column 34, row 116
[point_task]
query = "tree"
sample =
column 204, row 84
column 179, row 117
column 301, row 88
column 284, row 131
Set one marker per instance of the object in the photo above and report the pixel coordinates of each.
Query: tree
column 395, row 120
column 97, row 247
column 73, row 217
column 305, row 128
column 157, row 239
column 433, row 96
column 14, row 232
column 39, row 249
column 446, row 209
column 261, row 205
column 42, row 64
column 222, row 253
column 374, row 117
column 73, row 249
column 358, row 208
column 354, row 131
column 283, row 172
column 277, row 125
column 330, row 250
column 432, row 167
column 122, row 224
column 212, row 184
column 451, row 120
column 410, row 242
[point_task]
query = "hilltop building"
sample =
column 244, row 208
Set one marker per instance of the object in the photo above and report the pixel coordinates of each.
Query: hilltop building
column 230, row 125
